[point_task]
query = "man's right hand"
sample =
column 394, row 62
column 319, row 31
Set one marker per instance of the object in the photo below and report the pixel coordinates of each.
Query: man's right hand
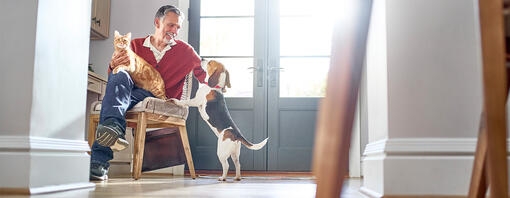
column 119, row 58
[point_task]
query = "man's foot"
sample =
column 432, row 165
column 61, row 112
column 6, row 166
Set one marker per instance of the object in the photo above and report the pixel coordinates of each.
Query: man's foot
column 98, row 172
column 111, row 136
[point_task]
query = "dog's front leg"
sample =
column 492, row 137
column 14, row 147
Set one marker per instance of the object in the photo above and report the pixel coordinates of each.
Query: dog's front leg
column 203, row 113
column 198, row 100
column 187, row 103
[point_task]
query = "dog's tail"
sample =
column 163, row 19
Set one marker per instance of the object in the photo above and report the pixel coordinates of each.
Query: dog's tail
column 254, row 146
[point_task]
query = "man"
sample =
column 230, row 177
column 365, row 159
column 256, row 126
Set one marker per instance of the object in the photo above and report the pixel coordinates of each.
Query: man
column 174, row 59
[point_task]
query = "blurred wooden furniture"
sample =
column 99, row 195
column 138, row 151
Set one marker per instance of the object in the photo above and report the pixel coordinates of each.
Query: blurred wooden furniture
column 152, row 113
column 490, row 164
column 96, row 86
column 337, row 109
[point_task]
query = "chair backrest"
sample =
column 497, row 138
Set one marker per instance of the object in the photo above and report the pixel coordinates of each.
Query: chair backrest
column 188, row 85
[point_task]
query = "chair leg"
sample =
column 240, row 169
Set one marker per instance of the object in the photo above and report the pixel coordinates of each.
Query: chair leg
column 478, row 186
column 139, row 145
column 93, row 121
column 494, row 94
column 337, row 110
column 187, row 150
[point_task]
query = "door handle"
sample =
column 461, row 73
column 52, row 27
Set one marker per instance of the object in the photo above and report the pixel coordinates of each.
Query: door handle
column 259, row 72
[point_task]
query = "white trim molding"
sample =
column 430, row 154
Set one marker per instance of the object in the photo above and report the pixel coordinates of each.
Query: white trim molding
column 422, row 146
column 41, row 165
column 42, row 144
column 418, row 166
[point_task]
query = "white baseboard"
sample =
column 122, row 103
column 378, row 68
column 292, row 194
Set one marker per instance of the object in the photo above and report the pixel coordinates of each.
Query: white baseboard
column 422, row 146
column 418, row 166
column 42, row 165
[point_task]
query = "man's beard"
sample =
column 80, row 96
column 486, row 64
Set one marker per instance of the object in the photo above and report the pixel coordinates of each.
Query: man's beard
column 172, row 37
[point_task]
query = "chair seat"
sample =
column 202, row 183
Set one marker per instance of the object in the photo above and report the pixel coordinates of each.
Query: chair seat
column 151, row 105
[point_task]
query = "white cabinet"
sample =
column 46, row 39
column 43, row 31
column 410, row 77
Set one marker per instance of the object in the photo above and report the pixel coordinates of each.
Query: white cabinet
column 100, row 19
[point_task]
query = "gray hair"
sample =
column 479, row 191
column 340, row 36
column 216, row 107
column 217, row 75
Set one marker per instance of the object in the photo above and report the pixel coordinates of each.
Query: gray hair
column 163, row 10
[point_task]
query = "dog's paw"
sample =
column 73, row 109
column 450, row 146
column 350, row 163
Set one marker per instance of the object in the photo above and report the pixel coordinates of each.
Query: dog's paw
column 175, row 101
column 222, row 179
column 237, row 179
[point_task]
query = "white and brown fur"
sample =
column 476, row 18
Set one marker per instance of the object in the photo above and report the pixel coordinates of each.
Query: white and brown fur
column 212, row 107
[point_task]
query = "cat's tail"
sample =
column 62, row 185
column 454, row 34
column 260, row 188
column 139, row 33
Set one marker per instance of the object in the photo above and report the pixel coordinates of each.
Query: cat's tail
column 255, row 146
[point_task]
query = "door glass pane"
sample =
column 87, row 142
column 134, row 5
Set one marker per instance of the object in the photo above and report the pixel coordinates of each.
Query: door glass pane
column 241, row 76
column 305, row 46
column 303, row 77
column 315, row 42
column 226, row 8
column 226, row 37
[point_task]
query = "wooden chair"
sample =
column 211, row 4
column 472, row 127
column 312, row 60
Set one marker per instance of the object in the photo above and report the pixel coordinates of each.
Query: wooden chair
column 151, row 113
column 337, row 109
column 490, row 163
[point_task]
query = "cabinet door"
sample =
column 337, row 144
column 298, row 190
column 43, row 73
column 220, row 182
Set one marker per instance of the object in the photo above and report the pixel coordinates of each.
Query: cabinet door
column 100, row 21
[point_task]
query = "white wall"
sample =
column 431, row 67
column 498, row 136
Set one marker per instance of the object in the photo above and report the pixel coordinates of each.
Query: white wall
column 377, row 75
column 132, row 16
column 61, row 56
column 17, row 63
column 424, row 97
column 434, row 68
column 44, row 84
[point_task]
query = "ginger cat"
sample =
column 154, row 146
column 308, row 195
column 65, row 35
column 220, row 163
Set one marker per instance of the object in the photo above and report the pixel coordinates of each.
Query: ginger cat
column 143, row 74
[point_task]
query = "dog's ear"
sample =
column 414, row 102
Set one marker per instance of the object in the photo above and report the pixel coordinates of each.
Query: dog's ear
column 227, row 80
column 214, row 79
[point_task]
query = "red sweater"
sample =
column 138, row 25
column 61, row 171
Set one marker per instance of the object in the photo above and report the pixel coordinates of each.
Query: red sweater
column 177, row 62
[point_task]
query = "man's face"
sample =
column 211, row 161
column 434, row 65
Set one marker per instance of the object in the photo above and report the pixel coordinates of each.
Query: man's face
column 169, row 27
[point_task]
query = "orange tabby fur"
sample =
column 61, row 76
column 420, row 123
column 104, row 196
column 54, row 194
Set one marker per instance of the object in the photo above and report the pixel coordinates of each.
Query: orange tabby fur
column 143, row 74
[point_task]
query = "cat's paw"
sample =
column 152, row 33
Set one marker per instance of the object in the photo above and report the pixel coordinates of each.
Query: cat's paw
column 115, row 71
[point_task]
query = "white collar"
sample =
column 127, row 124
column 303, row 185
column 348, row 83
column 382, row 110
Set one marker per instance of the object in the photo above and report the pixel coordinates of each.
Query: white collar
column 147, row 43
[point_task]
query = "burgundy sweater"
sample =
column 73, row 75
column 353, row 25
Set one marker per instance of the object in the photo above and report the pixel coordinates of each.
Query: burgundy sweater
column 177, row 62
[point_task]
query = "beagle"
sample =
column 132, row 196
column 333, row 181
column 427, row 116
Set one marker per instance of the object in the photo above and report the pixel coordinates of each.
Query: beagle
column 212, row 107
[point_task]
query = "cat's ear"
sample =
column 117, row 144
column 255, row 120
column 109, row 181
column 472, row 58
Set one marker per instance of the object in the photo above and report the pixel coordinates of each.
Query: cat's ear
column 128, row 35
column 116, row 33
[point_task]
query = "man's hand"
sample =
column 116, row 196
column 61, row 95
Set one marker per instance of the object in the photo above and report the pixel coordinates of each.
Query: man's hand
column 119, row 58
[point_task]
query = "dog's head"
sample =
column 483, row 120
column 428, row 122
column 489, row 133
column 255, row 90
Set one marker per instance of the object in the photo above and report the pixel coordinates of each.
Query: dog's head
column 218, row 75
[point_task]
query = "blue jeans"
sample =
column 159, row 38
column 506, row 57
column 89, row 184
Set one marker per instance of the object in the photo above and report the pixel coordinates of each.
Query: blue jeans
column 121, row 95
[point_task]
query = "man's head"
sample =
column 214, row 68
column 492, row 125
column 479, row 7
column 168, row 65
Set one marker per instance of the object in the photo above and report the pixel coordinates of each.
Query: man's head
column 168, row 21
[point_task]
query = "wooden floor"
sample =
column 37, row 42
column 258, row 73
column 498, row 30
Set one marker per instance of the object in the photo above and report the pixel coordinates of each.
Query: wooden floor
column 206, row 185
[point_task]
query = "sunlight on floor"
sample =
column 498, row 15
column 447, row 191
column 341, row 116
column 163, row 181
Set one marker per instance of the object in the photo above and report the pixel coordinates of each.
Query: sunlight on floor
column 204, row 186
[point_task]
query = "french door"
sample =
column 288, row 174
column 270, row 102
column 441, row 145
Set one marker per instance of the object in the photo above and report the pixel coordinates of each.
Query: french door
column 277, row 53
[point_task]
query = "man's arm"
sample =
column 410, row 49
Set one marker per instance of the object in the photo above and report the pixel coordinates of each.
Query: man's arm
column 199, row 73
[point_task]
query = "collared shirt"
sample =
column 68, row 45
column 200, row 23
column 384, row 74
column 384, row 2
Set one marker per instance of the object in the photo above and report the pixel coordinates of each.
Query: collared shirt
column 158, row 54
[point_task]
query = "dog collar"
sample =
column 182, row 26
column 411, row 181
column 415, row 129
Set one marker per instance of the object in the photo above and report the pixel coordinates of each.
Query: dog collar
column 215, row 87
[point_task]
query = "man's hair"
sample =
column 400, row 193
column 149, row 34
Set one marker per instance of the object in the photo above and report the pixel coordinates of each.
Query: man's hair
column 168, row 8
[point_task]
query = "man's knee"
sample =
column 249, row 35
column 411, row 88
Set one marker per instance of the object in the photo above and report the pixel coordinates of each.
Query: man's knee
column 122, row 77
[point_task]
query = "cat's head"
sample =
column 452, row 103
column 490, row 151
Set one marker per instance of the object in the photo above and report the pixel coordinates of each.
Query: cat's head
column 121, row 41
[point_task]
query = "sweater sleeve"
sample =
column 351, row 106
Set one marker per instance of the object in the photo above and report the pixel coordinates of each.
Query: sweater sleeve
column 199, row 73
